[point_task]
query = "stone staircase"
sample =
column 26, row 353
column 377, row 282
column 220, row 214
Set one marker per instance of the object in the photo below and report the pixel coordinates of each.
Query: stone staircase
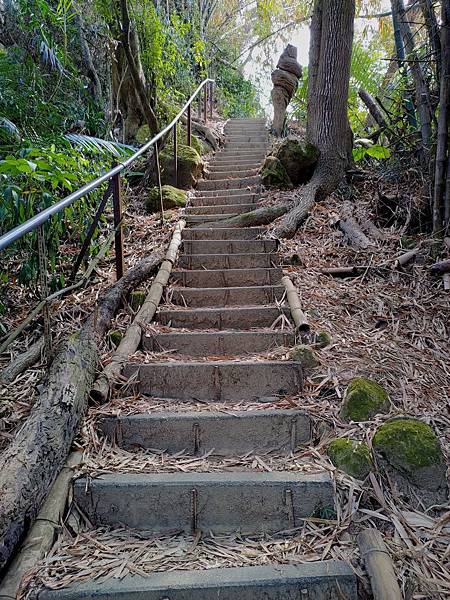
column 225, row 296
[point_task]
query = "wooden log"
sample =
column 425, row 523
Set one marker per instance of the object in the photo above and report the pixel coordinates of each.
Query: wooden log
column 379, row 565
column 41, row 536
column 298, row 316
column 372, row 107
column 406, row 258
column 33, row 460
column 342, row 271
column 129, row 343
column 440, row 267
column 354, row 234
column 22, row 362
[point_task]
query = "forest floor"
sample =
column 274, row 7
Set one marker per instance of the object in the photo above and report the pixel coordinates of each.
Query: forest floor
column 387, row 324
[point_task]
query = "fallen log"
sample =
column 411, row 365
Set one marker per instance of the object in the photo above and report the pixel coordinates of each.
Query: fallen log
column 379, row 565
column 354, row 234
column 406, row 258
column 32, row 461
column 132, row 338
column 440, row 267
column 260, row 216
column 22, row 362
column 298, row 316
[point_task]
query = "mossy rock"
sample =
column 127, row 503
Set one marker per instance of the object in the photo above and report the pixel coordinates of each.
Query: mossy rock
column 304, row 355
column 364, row 399
column 351, row 456
column 273, row 174
column 137, row 299
column 411, row 447
column 200, row 145
column 143, row 135
column 190, row 166
column 115, row 337
column 298, row 158
column 172, row 198
column 322, row 339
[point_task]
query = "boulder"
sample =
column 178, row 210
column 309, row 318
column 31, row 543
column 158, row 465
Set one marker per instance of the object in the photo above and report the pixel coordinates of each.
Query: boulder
column 172, row 198
column 273, row 174
column 299, row 158
column 351, row 456
column 411, row 447
column 190, row 166
column 364, row 399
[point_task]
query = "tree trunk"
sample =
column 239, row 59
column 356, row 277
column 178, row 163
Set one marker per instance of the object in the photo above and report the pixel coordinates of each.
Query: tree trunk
column 34, row 458
column 433, row 33
column 327, row 123
column 372, row 107
column 440, row 214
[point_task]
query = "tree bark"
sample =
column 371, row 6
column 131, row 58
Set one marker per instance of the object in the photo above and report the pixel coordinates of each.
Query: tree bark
column 32, row 461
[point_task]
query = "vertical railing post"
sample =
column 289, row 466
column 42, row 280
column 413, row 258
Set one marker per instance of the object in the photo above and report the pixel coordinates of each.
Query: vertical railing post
column 189, row 125
column 211, row 98
column 158, row 176
column 118, row 237
column 175, row 155
column 43, row 280
column 205, row 103
column 199, row 106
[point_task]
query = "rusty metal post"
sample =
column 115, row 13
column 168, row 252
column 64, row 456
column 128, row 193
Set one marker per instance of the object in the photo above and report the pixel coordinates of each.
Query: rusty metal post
column 199, row 106
column 158, row 175
column 189, row 125
column 43, row 280
column 205, row 103
column 118, row 238
column 175, row 155
column 211, row 96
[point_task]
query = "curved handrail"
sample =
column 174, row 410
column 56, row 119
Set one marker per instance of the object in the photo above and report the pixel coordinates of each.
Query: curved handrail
column 40, row 218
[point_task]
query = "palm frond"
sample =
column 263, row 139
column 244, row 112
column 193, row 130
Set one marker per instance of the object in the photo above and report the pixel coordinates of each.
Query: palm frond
column 99, row 146
column 49, row 57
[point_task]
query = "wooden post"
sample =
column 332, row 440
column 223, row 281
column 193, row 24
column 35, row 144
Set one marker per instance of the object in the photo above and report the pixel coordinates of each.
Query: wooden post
column 118, row 237
column 199, row 107
column 158, row 175
column 175, row 155
column 189, row 125
column 379, row 565
column 205, row 103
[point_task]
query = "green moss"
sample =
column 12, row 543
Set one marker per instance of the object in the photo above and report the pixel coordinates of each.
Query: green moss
column 364, row 399
column 304, row 355
column 298, row 157
column 189, row 164
column 408, row 444
column 322, row 339
column 172, row 198
column 143, row 134
column 137, row 299
column 350, row 456
column 274, row 174
column 115, row 337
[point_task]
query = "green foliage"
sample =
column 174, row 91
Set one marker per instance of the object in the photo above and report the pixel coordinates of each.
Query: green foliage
column 375, row 151
column 238, row 96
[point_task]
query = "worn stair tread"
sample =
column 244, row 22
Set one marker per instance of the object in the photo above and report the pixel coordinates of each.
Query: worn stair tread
column 222, row 184
column 221, row 208
column 223, row 502
column 228, row 192
column 211, row 218
column 223, row 233
column 228, row 296
column 227, row 277
column 229, row 246
column 216, row 381
column 228, row 261
column 217, row 433
column 231, row 174
column 247, row 198
column 224, row 343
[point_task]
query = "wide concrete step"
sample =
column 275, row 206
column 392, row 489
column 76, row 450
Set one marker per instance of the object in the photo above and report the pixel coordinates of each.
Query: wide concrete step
column 239, row 154
column 232, row 174
column 247, row 197
column 228, row 277
column 228, row 192
column 223, row 233
column 220, row 209
column 232, row 166
column 211, row 502
column 228, row 296
column 224, row 159
column 194, row 219
column 223, row 184
column 217, row 381
column 227, row 261
column 242, row 317
column 247, row 140
column 229, row 246
column 225, row 343
column 262, row 146
column 218, row 433
column 324, row 580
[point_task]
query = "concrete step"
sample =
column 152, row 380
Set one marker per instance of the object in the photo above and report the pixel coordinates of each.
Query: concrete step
column 218, row 433
column 310, row 581
column 232, row 174
column 228, row 277
column 233, row 166
column 194, row 219
column 228, row 192
column 238, row 155
column 217, row 381
column 247, row 197
column 241, row 317
column 228, row 296
column 229, row 247
column 251, row 140
column 223, row 233
column 261, row 146
column 223, row 184
column 220, row 209
column 250, row 502
column 227, row 261
column 226, row 343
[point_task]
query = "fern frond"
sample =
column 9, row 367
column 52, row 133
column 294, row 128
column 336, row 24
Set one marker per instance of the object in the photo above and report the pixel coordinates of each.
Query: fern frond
column 99, row 146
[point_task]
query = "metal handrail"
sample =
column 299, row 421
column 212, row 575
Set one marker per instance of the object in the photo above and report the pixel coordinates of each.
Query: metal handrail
column 42, row 217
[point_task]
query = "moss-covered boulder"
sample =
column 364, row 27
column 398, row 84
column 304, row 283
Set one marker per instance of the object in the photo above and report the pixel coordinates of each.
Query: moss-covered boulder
column 172, row 198
column 298, row 158
column 273, row 174
column 190, row 166
column 411, row 447
column 364, row 399
column 350, row 456
column 304, row 355
column 322, row 339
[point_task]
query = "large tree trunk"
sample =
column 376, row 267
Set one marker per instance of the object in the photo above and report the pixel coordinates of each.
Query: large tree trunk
column 327, row 123
column 34, row 458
